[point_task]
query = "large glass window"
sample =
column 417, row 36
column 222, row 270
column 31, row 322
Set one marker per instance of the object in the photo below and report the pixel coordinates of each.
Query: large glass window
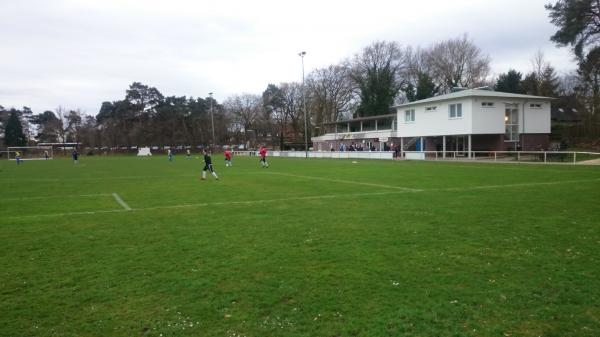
column 455, row 110
column 511, row 123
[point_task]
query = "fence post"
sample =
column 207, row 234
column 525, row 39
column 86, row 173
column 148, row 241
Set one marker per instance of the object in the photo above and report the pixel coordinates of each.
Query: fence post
column 574, row 157
column 518, row 156
column 495, row 155
column 545, row 157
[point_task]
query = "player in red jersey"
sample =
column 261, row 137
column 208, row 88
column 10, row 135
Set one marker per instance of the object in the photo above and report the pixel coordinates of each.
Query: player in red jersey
column 263, row 156
column 227, row 157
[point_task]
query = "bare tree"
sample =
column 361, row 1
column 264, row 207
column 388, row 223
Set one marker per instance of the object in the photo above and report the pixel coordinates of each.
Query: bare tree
column 331, row 93
column 458, row 63
column 244, row 109
column 542, row 80
column 275, row 113
column 377, row 72
column 418, row 62
column 538, row 63
column 61, row 114
column 292, row 95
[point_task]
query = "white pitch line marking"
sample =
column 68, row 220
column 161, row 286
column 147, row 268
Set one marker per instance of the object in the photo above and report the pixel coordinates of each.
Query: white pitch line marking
column 121, row 202
column 67, row 214
column 58, row 197
column 98, row 178
column 250, row 202
column 229, row 203
column 348, row 182
column 483, row 187
column 315, row 197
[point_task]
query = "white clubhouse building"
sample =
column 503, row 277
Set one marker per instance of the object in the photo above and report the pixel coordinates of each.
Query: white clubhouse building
column 465, row 121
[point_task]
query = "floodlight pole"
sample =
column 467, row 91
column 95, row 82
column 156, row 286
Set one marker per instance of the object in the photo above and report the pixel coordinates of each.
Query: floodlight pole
column 212, row 120
column 301, row 54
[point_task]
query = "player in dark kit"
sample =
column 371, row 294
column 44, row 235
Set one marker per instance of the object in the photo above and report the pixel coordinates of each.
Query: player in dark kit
column 208, row 165
column 75, row 156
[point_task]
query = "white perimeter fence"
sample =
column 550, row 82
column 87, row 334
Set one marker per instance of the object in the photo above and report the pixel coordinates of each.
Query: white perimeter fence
column 479, row 156
column 324, row 154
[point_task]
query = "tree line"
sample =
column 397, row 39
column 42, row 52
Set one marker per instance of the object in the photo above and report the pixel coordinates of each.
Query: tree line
column 368, row 83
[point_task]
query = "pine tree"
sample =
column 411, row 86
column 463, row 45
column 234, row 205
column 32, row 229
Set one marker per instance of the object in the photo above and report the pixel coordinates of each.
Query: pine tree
column 425, row 87
column 510, row 82
column 13, row 132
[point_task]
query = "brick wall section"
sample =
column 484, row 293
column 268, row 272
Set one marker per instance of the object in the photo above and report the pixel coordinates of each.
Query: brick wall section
column 534, row 142
column 488, row 143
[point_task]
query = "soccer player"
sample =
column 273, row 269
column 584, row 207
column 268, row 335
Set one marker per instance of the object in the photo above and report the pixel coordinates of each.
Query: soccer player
column 75, row 156
column 227, row 157
column 18, row 157
column 208, row 165
column 188, row 153
column 46, row 156
column 170, row 155
column 263, row 157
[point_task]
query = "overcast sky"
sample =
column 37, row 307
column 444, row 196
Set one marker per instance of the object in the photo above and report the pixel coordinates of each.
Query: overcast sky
column 78, row 53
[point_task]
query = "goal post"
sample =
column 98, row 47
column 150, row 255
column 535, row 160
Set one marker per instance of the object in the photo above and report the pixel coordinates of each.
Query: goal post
column 30, row 152
column 144, row 152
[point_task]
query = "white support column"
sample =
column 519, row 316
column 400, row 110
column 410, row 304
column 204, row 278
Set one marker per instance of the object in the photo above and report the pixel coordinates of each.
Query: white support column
column 470, row 155
column 360, row 126
column 444, row 147
column 401, row 147
column 375, row 125
column 348, row 127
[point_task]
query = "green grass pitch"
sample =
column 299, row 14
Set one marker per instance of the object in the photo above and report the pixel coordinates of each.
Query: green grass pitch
column 303, row 248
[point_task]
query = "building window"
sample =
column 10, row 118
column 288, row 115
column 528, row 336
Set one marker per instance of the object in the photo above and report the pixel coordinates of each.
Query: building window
column 409, row 116
column 455, row 110
column 535, row 105
column 511, row 123
column 430, row 108
column 487, row 104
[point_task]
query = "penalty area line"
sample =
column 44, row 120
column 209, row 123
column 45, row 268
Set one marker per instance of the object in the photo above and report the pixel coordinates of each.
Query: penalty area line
column 515, row 185
column 56, row 197
column 262, row 201
column 126, row 207
column 67, row 214
column 121, row 202
column 407, row 189
column 208, row 204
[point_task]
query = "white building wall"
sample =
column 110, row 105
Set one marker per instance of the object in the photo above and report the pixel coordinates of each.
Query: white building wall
column 488, row 120
column 536, row 120
column 476, row 118
column 436, row 123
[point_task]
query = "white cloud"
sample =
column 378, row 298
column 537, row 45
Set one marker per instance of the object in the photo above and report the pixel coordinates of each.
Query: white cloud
column 79, row 53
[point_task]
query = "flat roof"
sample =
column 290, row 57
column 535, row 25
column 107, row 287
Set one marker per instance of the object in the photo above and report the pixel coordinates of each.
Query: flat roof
column 473, row 93
column 370, row 118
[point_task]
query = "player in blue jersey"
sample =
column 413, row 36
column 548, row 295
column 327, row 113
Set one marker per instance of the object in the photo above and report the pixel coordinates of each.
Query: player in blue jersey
column 75, row 156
